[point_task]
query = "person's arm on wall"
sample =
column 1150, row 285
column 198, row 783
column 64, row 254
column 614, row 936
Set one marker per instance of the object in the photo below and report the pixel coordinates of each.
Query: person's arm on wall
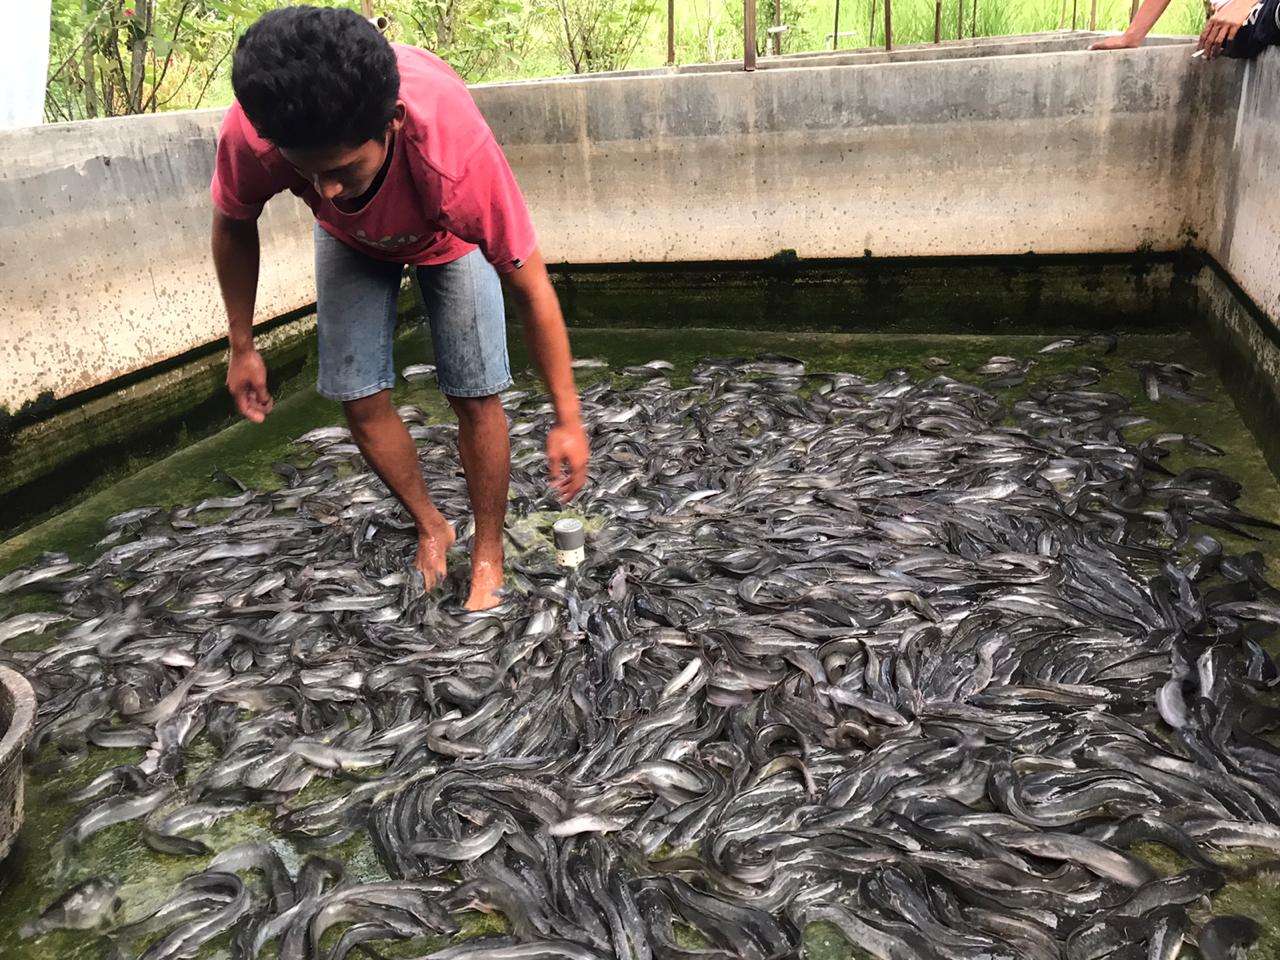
column 236, row 253
column 1143, row 21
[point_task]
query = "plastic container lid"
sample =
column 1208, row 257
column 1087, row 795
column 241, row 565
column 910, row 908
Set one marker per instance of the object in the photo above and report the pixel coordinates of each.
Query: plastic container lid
column 569, row 533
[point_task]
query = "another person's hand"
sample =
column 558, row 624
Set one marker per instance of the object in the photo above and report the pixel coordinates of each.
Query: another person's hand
column 567, row 456
column 247, row 381
column 1224, row 25
column 1121, row 41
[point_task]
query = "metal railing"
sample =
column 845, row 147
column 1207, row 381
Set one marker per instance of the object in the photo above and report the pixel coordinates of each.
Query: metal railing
column 774, row 33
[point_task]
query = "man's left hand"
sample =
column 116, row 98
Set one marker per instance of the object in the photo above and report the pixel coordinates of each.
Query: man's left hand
column 1121, row 41
column 567, row 456
column 1224, row 25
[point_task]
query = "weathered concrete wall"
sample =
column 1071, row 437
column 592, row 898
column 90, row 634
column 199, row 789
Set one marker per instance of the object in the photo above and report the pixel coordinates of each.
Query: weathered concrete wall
column 104, row 267
column 1243, row 211
column 1062, row 152
column 1246, row 347
column 104, row 251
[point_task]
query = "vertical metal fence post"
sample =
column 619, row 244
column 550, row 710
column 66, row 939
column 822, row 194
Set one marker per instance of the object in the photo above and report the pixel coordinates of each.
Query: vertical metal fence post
column 960, row 20
column 835, row 28
column 1093, row 15
column 937, row 21
column 888, row 24
column 748, row 34
column 671, row 33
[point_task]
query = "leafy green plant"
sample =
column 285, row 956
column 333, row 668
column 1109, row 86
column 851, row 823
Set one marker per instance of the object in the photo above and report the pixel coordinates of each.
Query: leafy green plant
column 113, row 57
column 480, row 39
column 601, row 34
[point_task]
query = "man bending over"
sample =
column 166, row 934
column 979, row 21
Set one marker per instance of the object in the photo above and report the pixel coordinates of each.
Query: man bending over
column 386, row 146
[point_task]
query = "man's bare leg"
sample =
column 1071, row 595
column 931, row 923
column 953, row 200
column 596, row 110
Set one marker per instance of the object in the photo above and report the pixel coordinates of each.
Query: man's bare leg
column 485, row 448
column 390, row 451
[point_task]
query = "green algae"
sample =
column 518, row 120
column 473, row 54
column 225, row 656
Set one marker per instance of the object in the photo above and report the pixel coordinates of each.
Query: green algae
column 824, row 941
column 32, row 878
column 1260, row 899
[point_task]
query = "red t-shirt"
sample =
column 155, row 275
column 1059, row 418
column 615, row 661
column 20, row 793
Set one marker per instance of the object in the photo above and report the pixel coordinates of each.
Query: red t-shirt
column 448, row 189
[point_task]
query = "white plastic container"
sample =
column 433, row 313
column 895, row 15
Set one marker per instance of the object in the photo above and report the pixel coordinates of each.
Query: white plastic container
column 570, row 538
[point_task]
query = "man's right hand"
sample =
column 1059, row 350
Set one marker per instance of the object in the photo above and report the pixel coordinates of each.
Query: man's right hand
column 1223, row 26
column 247, row 381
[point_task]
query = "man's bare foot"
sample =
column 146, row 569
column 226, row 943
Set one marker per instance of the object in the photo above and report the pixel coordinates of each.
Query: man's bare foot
column 486, row 581
column 434, row 541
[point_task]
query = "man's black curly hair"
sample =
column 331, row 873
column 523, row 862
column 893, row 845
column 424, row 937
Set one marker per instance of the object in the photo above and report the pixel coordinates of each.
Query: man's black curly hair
column 311, row 77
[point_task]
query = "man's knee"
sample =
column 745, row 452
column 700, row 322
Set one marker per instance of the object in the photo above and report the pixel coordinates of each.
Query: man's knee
column 475, row 409
column 365, row 412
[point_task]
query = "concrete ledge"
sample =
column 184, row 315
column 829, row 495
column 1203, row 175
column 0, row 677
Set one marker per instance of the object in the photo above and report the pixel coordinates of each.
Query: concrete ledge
column 1062, row 41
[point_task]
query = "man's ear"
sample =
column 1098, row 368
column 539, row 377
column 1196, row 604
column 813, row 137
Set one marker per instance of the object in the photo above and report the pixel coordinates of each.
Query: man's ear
column 397, row 119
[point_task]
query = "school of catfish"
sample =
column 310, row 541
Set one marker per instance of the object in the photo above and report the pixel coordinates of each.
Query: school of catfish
column 901, row 655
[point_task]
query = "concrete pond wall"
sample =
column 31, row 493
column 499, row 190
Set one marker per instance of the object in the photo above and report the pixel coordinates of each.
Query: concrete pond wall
column 1242, row 215
column 1060, row 153
column 978, row 148
column 104, row 251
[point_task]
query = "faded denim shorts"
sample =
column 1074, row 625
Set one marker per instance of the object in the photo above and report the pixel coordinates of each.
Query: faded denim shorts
column 356, row 318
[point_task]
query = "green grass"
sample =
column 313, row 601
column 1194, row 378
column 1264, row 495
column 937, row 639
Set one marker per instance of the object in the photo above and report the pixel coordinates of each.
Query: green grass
column 711, row 30
column 811, row 22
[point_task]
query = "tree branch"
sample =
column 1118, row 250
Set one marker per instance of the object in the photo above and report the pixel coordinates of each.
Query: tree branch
column 173, row 43
column 568, row 37
column 76, row 49
column 156, row 104
column 124, row 76
column 212, row 73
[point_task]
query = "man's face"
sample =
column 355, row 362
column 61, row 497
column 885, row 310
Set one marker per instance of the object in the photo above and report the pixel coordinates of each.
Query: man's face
column 344, row 173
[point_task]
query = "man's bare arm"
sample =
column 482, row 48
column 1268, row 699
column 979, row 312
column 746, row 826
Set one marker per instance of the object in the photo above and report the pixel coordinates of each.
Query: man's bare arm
column 548, row 340
column 236, row 254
